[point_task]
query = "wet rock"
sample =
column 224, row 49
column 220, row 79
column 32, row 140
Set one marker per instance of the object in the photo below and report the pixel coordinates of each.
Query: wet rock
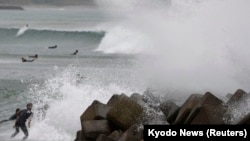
column 210, row 114
column 93, row 128
column 10, row 7
column 134, row 133
column 123, row 117
column 209, row 99
column 116, row 134
column 238, row 96
column 103, row 137
column 209, row 110
column 95, row 111
column 187, row 107
column 114, row 98
column 245, row 119
column 170, row 110
column 124, row 112
column 152, row 111
column 80, row 136
column 137, row 98
column 238, row 107
column 151, row 117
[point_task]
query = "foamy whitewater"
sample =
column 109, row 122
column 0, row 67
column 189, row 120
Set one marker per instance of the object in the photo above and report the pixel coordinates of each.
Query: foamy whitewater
column 175, row 47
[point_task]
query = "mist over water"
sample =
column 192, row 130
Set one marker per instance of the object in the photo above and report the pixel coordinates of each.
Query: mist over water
column 189, row 46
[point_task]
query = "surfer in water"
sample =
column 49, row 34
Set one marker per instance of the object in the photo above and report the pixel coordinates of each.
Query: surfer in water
column 26, row 60
column 35, row 56
column 75, row 52
column 52, row 47
column 22, row 30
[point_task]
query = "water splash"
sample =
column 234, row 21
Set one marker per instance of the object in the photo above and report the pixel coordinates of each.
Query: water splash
column 194, row 46
column 22, row 30
column 67, row 95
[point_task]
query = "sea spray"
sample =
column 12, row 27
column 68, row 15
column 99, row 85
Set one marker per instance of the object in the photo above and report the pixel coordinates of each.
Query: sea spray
column 191, row 46
column 121, row 40
column 67, row 95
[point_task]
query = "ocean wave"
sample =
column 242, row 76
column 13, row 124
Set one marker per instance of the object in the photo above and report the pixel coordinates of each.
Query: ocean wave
column 22, row 30
column 12, row 32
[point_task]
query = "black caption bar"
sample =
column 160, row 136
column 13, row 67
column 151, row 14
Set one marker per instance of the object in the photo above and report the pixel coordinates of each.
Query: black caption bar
column 196, row 132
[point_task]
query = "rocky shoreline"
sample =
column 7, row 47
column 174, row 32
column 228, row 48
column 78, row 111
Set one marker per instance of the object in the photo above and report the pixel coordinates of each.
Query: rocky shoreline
column 122, row 117
column 11, row 8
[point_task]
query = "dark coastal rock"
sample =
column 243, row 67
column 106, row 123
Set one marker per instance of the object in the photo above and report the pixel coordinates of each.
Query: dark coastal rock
column 245, row 120
column 238, row 96
column 187, row 107
column 80, row 137
column 11, row 7
column 93, row 128
column 209, row 99
column 152, row 111
column 103, row 137
column 210, row 114
column 151, row 117
column 124, row 112
column 134, row 133
column 170, row 110
column 113, row 99
column 116, row 134
column 227, row 97
column 123, row 117
column 238, row 110
column 138, row 98
column 95, row 111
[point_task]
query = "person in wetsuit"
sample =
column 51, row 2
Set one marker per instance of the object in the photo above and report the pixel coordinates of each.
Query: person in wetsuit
column 13, row 117
column 26, row 60
column 21, row 119
column 75, row 52
column 35, row 56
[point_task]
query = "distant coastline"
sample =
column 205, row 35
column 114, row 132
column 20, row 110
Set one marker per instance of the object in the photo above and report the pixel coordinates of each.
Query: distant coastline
column 11, row 8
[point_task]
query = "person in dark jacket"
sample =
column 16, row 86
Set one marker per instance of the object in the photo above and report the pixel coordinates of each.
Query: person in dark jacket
column 13, row 117
column 21, row 119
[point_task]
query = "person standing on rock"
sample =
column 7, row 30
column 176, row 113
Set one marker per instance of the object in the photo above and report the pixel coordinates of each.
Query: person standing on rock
column 21, row 119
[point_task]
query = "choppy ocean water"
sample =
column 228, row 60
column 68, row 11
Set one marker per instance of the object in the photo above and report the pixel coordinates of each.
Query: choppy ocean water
column 179, row 47
column 56, row 76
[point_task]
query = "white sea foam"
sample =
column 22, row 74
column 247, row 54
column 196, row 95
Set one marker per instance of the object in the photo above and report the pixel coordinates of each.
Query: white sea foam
column 67, row 95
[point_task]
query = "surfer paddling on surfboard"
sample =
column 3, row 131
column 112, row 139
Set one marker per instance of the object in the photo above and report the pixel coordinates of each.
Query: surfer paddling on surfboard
column 26, row 60
column 75, row 52
column 53, row 47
